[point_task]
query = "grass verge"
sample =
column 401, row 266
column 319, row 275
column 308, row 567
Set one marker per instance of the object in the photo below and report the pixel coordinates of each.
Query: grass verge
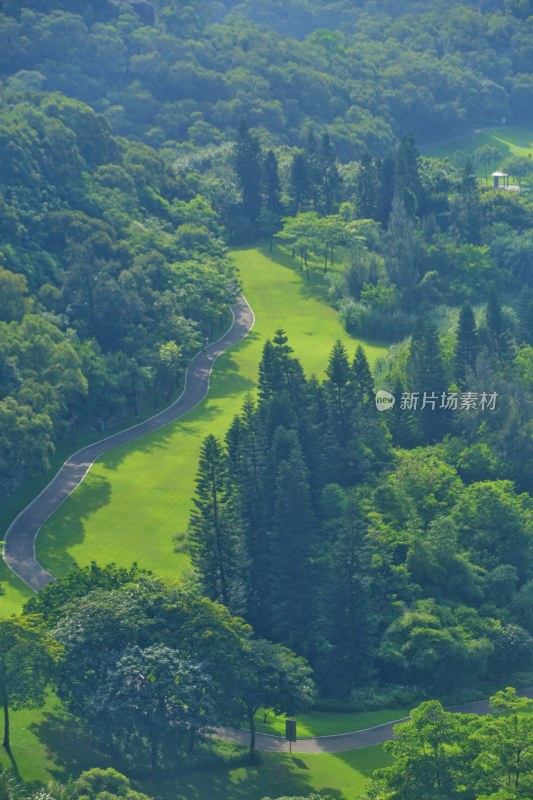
column 325, row 723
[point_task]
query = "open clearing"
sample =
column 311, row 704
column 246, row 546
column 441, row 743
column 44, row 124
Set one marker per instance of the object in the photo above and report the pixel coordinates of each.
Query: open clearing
column 510, row 141
column 137, row 497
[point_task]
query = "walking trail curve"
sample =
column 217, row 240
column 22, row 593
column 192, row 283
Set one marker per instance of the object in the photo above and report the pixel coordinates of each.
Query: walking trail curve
column 338, row 743
column 19, row 545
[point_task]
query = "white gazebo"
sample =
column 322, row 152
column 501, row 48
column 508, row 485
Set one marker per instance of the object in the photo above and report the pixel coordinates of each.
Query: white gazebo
column 500, row 176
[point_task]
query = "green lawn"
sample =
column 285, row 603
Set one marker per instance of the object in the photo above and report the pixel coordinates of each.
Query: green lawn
column 325, row 723
column 137, row 497
column 48, row 745
column 16, row 592
column 342, row 776
column 510, row 141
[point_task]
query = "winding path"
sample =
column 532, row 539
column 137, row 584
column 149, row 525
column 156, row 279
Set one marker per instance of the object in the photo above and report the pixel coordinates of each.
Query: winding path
column 340, row 742
column 19, row 545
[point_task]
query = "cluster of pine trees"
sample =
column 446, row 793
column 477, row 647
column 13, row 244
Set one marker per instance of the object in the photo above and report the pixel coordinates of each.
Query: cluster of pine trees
column 362, row 557
column 259, row 540
column 313, row 182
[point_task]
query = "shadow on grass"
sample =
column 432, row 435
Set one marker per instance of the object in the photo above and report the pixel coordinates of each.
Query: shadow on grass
column 67, row 528
column 366, row 760
column 521, row 137
column 16, row 591
column 280, row 773
column 316, row 286
column 70, row 745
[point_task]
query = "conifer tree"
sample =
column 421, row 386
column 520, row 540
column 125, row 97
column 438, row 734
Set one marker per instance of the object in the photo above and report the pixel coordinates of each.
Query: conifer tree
column 467, row 346
column 347, row 608
column 496, row 325
column 246, row 436
column 401, row 422
column 429, row 380
column 329, row 180
column 362, row 381
column 367, row 189
column 466, row 208
column 339, row 376
column 270, row 371
column 312, row 162
column 292, row 542
column 248, row 169
column 272, row 184
column 407, row 185
column 299, row 184
column 385, row 190
column 215, row 542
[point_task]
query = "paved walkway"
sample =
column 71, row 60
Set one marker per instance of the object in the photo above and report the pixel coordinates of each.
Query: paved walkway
column 19, row 546
column 343, row 741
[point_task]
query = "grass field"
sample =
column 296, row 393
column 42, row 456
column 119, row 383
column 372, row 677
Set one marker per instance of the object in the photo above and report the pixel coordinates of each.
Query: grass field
column 48, row 745
column 509, row 141
column 341, row 776
column 137, row 497
column 326, row 723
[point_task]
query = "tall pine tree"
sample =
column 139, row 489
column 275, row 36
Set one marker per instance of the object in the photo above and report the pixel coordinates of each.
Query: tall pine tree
column 429, row 380
column 215, row 530
column 299, row 184
column 248, row 168
column 467, row 345
column 496, row 326
column 292, row 546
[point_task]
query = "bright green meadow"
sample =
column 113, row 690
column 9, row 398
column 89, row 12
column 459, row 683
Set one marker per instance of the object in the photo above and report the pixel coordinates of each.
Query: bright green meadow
column 328, row 723
column 341, row 776
column 48, row 745
column 509, row 141
column 138, row 497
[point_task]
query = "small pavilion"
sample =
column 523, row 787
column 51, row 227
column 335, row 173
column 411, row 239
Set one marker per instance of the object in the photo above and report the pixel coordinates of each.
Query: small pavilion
column 501, row 180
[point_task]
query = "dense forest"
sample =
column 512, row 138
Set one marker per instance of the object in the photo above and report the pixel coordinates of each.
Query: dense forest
column 112, row 253
column 111, row 277
column 180, row 76
column 342, row 556
column 412, row 566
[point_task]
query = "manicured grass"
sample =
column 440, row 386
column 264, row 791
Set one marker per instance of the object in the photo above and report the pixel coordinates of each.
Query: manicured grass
column 341, row 776
column 16, row 592
column 509, row 141
column 325, row 723
column 137, row 497
column 48, row 745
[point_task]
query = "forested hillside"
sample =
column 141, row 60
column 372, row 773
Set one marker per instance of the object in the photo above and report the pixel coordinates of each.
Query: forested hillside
column 358, row 540
column 114, row 252
column 112, row 274
column 180, row 76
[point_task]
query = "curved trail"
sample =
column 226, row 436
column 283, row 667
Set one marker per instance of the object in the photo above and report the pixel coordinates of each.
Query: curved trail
column 19, row 546
column 338, row 743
